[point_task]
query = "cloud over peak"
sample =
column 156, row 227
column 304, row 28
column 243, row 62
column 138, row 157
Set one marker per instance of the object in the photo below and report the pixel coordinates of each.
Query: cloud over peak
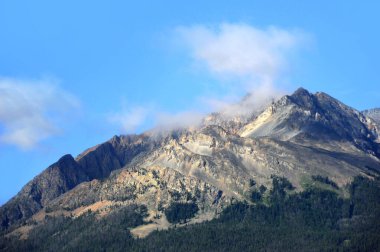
column 241, row 50
column 254, row 58
column 130, row 118
column 251, row 59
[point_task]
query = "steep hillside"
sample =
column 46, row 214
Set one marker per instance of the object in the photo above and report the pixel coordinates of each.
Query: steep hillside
column 67, row 172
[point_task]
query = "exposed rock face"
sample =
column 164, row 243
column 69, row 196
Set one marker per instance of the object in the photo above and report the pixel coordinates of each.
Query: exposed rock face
column 373, row 113
column 308, row 118
column 297, row 136
column 154, row 187
column 62, row 176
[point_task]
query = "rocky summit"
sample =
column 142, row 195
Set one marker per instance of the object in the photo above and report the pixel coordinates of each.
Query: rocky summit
column 211, row 166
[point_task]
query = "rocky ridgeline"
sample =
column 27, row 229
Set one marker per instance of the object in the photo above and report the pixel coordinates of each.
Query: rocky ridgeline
column 296, row 137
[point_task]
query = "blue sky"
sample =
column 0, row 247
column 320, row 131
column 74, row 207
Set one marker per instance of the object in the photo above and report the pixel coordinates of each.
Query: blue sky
column 75, row 73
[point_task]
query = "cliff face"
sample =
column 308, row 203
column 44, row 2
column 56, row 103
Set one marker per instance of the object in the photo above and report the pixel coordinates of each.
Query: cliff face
column 213, row 165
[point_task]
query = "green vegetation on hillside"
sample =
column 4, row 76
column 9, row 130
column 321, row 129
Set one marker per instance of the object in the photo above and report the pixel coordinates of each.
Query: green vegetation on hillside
column 312, row 220
column 325, row 180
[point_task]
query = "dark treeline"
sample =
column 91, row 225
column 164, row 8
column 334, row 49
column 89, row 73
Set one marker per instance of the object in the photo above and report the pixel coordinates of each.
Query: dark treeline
column 180, row 212
column 311, row 220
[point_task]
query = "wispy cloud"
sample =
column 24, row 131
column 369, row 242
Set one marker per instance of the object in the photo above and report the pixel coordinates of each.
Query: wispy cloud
column 168, row 121
column 235, row 106
column 130, row 118
column 241, row 50
column 253, row 58
column 31, row 110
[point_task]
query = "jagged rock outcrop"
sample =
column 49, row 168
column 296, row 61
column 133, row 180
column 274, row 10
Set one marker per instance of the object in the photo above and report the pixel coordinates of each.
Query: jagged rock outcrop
column 297, row 136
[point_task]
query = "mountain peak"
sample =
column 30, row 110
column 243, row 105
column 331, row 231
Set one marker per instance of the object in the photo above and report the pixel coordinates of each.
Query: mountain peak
column 305, row 117
column 303, row 98
column 66, row 159
column 301, row 92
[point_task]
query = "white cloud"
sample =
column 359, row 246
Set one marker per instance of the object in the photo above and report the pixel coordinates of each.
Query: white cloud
column 168, row 121
column 241, row 50
column 135, row 118
column 131, row 118
column 31, row 110
column 254, row 58
column 253, row 102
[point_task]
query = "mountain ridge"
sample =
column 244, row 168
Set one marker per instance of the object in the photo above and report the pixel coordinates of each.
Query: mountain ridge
column 297, row 136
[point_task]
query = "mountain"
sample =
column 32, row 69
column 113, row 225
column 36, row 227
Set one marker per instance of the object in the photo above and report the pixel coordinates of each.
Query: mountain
column 206, row 168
